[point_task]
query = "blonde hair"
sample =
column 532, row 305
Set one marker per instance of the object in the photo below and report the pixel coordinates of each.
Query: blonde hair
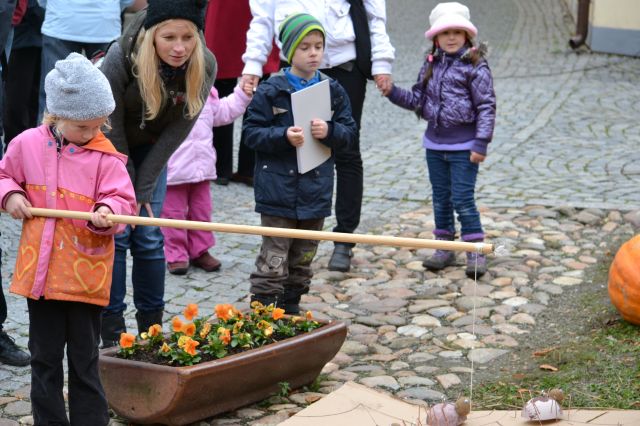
column 152, row 90
column 57, row 123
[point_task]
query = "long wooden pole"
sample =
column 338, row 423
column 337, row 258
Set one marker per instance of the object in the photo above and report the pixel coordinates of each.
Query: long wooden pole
column 383, row 240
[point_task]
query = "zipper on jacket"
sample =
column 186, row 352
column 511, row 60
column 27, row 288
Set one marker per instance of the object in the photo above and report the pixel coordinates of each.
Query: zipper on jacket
column 446, row 68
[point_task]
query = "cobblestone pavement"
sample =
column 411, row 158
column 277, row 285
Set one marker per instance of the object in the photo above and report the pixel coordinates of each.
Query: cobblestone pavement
column 563, row 170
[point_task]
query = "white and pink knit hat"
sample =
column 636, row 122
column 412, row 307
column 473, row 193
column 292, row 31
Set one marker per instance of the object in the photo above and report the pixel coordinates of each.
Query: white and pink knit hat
column 450, row 15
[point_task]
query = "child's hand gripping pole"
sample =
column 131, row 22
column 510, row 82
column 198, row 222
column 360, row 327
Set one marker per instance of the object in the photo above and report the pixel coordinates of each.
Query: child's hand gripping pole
column 383, row 240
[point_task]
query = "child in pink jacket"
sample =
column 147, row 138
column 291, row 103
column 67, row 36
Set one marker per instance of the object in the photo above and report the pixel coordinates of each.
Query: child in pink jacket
column 64, row 266
column 189, row 172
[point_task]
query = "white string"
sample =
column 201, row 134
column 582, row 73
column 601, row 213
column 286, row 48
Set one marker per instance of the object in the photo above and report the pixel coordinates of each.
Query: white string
column 473, row 322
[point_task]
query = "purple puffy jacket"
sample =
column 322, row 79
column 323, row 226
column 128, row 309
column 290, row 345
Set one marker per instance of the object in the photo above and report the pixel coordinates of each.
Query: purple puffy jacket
column 459, row 102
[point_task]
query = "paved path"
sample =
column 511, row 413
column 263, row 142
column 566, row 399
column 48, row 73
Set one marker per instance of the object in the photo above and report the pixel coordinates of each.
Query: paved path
column 567, row 135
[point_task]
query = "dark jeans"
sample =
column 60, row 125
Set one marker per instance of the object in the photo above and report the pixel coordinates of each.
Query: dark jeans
column 52, row 325
column 146, row 244
column 21, row 92
column 453, row 181
column 223, row 139
column 54, row 49
column 6, row 12
column 349, row 161
column 223, row 135
column 285, row 263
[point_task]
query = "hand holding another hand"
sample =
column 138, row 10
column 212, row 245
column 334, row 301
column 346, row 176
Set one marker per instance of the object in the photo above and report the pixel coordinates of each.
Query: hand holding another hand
column 384, row 83
column 249, row 83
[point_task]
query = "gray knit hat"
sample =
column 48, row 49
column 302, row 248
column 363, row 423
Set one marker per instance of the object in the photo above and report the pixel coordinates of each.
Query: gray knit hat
column 77, row 90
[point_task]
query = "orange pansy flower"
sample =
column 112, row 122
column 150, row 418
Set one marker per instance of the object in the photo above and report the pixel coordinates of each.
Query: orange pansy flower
column 309, row 315
column 224, row 335
column 190, row 346
column 206, row 328
column 189, row 329
column 225, row 311
column 191, row 311
column 277, row 314
column 155, row 330
column 176, row 323
column 127, row 340
column 183, row 341
column 165, row 348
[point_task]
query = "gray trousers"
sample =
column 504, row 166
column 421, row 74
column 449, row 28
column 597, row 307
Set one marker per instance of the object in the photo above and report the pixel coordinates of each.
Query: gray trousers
column 284, row 264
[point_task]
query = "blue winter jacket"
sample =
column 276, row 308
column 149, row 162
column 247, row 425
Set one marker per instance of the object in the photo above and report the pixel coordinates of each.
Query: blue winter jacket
column 459, row 101
column 278, row 187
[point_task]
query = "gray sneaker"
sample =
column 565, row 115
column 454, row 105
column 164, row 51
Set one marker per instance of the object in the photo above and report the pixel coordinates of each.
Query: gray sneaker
column 440, row 260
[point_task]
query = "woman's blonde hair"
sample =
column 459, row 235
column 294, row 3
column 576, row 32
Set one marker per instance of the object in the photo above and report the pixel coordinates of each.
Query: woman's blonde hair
column 57, row 123
column 146, row 65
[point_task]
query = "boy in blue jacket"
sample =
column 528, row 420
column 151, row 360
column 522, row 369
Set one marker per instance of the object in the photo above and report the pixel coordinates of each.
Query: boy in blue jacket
column 285, row 198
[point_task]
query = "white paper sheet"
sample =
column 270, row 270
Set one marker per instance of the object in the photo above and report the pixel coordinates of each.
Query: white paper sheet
column 308, row 104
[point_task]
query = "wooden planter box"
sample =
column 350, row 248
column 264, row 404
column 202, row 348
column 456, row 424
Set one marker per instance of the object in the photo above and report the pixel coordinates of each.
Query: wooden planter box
column 149, row 393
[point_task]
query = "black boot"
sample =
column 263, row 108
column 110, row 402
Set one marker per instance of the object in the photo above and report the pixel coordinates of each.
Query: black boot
column 111, row 328
column 10, row 353
column 291, row 304
column 268, row 299
column 147, row 319
column 341, row 258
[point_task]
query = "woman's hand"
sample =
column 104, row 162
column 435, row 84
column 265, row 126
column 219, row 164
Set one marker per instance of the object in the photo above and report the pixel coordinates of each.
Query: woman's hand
column 477, row 158
column 147, row 206
column 99, row 217
column 249, row 82
column 247, row 88
column 18, row 206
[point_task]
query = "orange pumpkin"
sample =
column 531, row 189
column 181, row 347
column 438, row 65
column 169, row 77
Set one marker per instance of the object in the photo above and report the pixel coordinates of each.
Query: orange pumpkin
column 624, row 280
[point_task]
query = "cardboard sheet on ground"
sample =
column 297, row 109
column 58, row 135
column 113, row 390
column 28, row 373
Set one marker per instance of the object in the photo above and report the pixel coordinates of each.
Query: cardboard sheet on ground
column 358, row 405
column 307, row 104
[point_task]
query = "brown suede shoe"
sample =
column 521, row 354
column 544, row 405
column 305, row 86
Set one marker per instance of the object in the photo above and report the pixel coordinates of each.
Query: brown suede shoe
column 207, row 262
column 178, row 268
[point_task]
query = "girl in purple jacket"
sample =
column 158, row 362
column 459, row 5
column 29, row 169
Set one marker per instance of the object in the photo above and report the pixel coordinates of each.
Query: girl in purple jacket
column 454, row 94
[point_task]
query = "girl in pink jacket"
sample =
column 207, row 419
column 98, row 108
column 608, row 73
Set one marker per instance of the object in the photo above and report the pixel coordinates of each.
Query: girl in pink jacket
column 64, row 266
column 191, row 167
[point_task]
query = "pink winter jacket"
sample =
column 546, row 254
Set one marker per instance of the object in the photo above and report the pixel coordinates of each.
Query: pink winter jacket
column 195, row 159
column 65, row 259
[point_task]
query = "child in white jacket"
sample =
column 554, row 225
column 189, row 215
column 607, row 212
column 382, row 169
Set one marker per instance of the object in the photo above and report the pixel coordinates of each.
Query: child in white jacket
column 189, row 172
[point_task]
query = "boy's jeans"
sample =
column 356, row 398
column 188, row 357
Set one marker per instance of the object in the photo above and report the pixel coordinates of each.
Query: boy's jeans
column 453, row 181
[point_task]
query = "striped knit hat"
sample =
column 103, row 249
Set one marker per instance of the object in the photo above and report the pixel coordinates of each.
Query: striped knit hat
column 294, row 29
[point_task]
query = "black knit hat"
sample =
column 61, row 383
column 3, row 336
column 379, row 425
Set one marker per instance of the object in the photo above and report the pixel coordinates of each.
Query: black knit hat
column 162, row 10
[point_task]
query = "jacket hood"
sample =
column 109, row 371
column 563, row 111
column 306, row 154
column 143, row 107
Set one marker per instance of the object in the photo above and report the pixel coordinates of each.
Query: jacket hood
column 99, row 143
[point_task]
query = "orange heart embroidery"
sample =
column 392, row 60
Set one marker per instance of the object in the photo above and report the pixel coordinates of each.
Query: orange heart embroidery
column 25, row 261
column 90, row 279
